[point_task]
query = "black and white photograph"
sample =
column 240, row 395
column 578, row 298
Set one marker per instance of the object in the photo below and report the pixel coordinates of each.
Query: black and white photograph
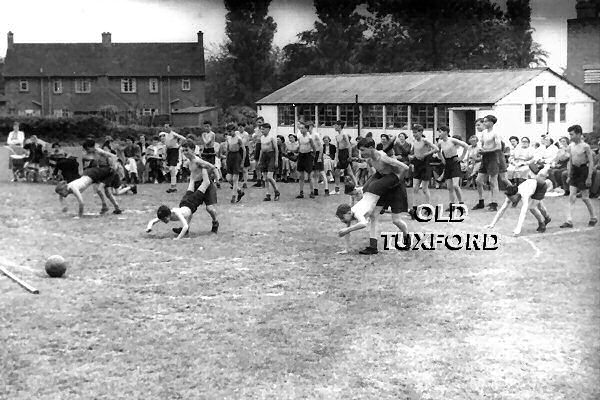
column 300, row 199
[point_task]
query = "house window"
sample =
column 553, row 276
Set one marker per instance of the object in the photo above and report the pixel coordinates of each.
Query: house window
column 443, row 116
column 148, row 111
column 128, row 85
column 591, row 76
column 285, row 115
column 327, row 115
column 83, row 86
column 185, row 84
column 539, row 91
column 349, row 114
column 538, row 113
column 23, row 85
column 527, row 116
column 306, row 112
column 396, row 116
column 422, row 114
column 563, row 112
column 61, row 113
column 551, row 112
column 57, row 86
column 153, row 85
column 551, row 91
column 373, row 116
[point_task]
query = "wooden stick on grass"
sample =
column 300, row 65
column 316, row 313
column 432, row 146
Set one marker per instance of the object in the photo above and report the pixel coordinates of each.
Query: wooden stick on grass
column 24, row 284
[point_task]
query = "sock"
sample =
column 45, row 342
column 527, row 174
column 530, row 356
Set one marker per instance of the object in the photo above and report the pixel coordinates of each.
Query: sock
column 373, row 243
column 480, row 201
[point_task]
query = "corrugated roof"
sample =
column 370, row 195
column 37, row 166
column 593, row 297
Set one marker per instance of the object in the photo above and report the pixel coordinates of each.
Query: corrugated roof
column 193, row 110
column 96, row 59
column 439, row 87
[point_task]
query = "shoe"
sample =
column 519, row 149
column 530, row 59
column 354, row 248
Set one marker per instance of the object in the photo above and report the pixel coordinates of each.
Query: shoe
column 316, row 192
column 267, row 198
column 567, row 193
column 593, row 222
column 547, row 220
column 134, row 189
column 277, row 194
column 567, row 224
column 240, row 195
column 215, row 227
column 104, row 210
column 369, row 250
column 257, row 184
column 171, row 190
column 579, row 195
column 178, row 231
column 244, row 186
column 541, row 228
column 479, row 206
column 218, row 185
column 300, row 196
column 312, row 196
column 326, row 192
column 493, row 207
column 118, row 211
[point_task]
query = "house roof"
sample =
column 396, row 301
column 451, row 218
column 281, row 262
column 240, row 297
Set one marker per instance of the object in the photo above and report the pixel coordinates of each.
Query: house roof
column 193, row 110
column 96, row 59
column 484, row 86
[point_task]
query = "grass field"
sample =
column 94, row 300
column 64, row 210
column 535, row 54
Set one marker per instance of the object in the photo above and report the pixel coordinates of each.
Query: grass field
column 266, row 309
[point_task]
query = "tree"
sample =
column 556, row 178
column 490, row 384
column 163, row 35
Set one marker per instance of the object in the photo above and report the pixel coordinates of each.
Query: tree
column 525, row 50
column 248, row 51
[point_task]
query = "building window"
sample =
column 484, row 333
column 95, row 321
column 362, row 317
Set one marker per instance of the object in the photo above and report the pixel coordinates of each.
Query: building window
column 551, row 112
column 128, row 85
column 83, row 86
column 148, row 111
column 551, row 91
column 591, row 76
column 306, row 112
column 538, row 113
column 373, row 116
column 396, row 116
column 539, row 91
column 61, row 113
column 186, row 84
column 153, row 85
column 23, row 85
column 285, row 115
column 527, row 113
column 443, row 116
column 327, row 115
column 563, row 112
column 57, row 86
column 423, row 115
column 349, row 113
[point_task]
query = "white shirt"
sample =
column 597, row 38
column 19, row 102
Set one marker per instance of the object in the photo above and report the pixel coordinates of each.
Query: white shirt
column 15, row 138
column 546, row 154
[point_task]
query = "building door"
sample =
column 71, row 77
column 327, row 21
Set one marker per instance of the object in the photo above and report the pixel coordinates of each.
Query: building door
column 470, row 124
column 462, row 122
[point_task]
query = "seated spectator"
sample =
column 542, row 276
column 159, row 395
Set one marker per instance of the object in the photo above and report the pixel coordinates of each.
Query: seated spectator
column 559, row 164
column 518, row 164
column 546, row 153
column 329, row 151
column 155, row 157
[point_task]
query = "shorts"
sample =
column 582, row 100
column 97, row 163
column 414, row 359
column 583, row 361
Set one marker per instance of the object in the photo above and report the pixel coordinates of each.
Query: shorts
column 540, row 190
column 234, row 162
column 422, row 169
column 247, row 158
column 267, row 161
column 192, row 200
column 395, row 198
column 452, row 168
column 305, row 162
column 380, row 184
column 501, row 162
column 112, row 181
column 490, row 164
column 208, row 156
column 98, row 174
column 172, row 157
column 343, row 159
column 256, row 151
column 318, row 162
column 210, row 195
column 578, row 176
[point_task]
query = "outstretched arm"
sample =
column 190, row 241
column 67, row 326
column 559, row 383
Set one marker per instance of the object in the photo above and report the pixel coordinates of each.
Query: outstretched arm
column 151, row 224
column 184, row 224
column 499, row 214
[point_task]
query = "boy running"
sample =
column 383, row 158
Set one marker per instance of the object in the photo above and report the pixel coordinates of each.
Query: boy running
column 269, row 153
column 449, row 156
column 579, row 174
column 421, row 152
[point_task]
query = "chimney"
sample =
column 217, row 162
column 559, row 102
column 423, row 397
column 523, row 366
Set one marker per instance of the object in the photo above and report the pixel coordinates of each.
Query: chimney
column 586, row 9
column 106, row 39
column 201, row 39
column 11, row 40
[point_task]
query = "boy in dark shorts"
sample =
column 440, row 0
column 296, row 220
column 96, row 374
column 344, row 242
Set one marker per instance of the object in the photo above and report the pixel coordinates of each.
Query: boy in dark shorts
column 268, row 160
column 420, row 157
column 491, row 146
column 385, row 187
column 449, row 156
column 343, row 159
column 580, row 169
column 236, row 153
column 306, row 151
column 532, row 191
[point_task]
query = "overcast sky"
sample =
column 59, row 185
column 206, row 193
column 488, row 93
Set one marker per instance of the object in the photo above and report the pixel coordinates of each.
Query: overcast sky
column 70, row 21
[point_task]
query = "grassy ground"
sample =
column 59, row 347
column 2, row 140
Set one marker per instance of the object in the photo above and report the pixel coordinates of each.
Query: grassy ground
column 266, row 309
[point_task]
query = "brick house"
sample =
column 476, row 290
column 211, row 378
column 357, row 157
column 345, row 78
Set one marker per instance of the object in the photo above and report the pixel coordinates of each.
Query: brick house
column 124, row 80
column 583, row 51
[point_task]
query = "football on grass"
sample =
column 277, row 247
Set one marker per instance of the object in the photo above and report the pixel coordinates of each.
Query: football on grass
column 56, row 266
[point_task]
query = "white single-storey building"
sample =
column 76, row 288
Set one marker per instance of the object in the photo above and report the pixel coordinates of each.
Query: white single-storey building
column 527, row 102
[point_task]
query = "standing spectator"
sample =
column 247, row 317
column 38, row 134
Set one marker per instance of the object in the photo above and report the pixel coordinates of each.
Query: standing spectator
column 132, row 155
column 292, row 155
column 15, row 141
column 329, row 151
column 155, row 156
column 36, row 153
column 172, row 142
